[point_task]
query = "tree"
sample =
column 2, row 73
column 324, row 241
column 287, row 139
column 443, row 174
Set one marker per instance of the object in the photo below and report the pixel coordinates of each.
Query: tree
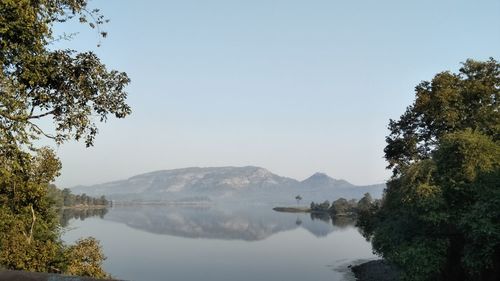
column 440, row 216
column 340, row 207
column 64, row 198
column 298, row 198
column 38, row 81
column 450, row 102
column 313, row 206
column 85, row 259
column 365, row 203
column 68, row 198
column 320, row 207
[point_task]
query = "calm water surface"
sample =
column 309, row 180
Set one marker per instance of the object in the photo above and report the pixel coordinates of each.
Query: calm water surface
column 222, row 243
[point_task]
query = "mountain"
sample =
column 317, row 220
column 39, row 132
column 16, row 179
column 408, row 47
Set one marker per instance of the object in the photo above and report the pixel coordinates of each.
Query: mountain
column 319, row 180
column 226, row 183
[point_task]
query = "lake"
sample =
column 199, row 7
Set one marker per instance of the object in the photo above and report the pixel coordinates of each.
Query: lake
column 214, row 243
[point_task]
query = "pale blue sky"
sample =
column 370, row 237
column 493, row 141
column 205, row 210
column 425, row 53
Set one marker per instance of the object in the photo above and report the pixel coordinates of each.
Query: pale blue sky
column 292, row 86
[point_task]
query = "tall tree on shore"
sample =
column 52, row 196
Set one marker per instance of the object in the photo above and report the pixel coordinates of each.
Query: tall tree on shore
column 449, row 103
column 72, row 89
column 298, row 198
column 440, row 217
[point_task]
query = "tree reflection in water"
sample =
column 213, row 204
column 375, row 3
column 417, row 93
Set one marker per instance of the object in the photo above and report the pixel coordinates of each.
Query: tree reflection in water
column 338, row 221
column 65, row 215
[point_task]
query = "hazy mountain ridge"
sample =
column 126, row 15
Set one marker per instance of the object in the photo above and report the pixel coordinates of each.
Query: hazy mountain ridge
column 252, row 183
column 322, row 179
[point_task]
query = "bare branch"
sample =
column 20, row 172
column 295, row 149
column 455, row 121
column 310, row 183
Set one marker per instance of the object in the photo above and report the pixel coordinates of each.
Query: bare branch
column 25, row 118
column 32, row 224
column 41, row 115
column 40, row 131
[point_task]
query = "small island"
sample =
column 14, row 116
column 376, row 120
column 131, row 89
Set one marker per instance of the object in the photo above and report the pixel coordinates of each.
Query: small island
column 292, row 209
column 352, row 210
column 339, row 207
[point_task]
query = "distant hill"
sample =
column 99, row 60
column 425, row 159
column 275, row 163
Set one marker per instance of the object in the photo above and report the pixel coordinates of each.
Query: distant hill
column 323, row 180
column 226, row 184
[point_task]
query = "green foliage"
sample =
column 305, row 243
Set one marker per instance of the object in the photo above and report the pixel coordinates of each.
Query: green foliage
column 342, row 207
column 85, row 259
column 449, row 103
column 64, row 198
column 440, row 216
column 367, row 218
column 29, row 238
column 38, row 82
column 323, row 207
column 37, row 255
column 365, row 203
column 73, row 90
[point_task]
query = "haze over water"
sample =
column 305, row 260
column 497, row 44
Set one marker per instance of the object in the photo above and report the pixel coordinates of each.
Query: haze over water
column 214, row 243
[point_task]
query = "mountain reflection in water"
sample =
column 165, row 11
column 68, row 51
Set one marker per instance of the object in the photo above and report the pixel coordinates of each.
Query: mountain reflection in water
column 222, row 242
column 249, row 224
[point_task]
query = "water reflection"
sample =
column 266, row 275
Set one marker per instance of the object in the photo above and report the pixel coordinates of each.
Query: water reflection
column 65, row 215
column 321, row 216
column 222, row 243
column 249, row 224
column 343, row 222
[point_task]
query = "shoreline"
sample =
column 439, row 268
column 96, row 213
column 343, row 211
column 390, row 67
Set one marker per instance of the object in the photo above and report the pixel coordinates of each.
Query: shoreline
column 19, row 275
column 309, row 210
column 292, row 209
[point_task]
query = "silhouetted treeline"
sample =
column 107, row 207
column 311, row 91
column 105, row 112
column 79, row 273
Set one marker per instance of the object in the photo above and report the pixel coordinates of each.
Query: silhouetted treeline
column 344, row 207
column 64, row 198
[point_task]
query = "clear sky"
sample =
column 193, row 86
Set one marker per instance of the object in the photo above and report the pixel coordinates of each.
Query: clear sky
column 293, row 86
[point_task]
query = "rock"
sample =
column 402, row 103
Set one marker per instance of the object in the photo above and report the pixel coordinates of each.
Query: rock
column 377, row 270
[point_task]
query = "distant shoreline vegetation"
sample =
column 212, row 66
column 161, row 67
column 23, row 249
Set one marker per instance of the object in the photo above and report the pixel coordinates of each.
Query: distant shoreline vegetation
column 65, row 199
column 75, row 206
column 339, row 207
